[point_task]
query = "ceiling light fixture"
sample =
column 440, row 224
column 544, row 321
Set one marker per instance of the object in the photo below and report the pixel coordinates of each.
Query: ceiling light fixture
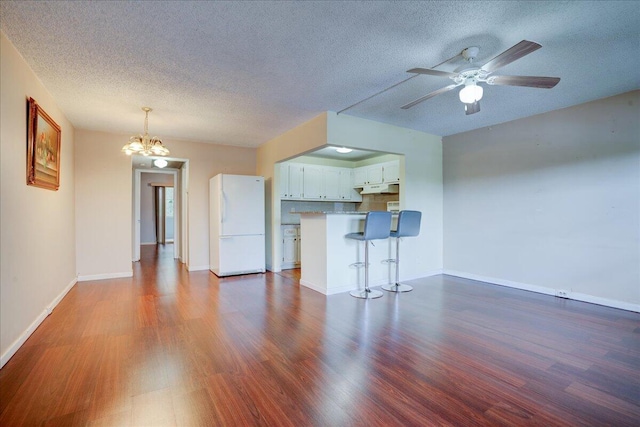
column 160, row 163
column 343, row 150
column 144, row 145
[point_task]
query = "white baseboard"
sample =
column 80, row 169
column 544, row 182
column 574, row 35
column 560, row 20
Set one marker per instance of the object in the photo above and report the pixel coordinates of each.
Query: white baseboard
column 15, row 346
column 404, row 278
column 323, row 290
column 547, row 291
column 604, row 301
column 149, row 243
column 197, row 268
column 86, row 278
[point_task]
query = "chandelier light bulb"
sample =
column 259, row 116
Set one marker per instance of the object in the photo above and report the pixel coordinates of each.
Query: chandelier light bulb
column 471, row 93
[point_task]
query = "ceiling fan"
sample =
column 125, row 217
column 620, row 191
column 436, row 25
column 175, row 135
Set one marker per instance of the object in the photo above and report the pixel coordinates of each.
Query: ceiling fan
column 470, row 75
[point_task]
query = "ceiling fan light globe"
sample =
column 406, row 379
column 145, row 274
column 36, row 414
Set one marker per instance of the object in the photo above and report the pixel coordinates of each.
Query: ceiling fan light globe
column 471, row 93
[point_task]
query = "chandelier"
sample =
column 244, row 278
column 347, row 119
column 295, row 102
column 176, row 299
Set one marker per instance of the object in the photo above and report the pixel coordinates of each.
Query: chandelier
column 144, row 145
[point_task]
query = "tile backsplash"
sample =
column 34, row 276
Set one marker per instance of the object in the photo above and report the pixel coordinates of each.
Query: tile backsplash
column 290, row 207
column 376, row 202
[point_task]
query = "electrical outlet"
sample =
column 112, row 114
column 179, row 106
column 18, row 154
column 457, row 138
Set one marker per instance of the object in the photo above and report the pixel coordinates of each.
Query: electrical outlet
column 562, row 293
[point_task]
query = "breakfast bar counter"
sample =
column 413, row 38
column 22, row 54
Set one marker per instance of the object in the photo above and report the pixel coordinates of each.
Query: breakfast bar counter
column 327, row 256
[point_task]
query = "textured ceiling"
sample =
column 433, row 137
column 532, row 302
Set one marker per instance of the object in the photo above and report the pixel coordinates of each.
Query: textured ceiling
column 241, row 73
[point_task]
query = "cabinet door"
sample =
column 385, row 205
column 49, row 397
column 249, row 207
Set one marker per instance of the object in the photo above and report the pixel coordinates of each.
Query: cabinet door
column 391, row 172
column 359, row 177
column 331, row 183
column 289, row 250
column 374, row 174
column 312, row 182
column 346, row 184
column 295, row 181
column 284, row 180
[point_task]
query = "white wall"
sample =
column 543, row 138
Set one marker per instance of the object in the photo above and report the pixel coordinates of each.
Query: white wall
column 104, row 199
column 147, row 206
column 37, row 254
column 550, row 202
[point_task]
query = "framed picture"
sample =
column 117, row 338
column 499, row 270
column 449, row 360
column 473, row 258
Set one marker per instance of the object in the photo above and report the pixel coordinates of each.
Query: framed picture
column 43, row 148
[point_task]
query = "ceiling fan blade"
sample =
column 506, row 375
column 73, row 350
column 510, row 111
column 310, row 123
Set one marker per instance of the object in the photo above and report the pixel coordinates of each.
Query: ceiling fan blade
column 429, row 95
column 431, row 72
column 523, row 48
column 528, row 81
column 472, row 108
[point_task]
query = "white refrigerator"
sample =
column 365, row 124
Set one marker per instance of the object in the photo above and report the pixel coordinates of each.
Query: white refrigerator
column 236, row 224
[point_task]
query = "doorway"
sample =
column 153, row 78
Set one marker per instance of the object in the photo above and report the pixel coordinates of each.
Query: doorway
column 160, row 222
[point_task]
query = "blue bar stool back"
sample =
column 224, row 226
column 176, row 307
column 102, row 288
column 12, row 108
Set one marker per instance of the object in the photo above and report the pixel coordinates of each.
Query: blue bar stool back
column 408, row 226
column 377, row 225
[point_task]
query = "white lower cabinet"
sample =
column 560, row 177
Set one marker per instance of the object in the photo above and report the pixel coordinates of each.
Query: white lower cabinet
column 290, row 246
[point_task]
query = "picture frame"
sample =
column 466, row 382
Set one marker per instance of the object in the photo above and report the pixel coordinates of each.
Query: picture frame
column 43, row 148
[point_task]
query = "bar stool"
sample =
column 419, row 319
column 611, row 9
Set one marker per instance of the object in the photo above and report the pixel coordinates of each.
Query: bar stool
column 408, row 226
column 377, row 225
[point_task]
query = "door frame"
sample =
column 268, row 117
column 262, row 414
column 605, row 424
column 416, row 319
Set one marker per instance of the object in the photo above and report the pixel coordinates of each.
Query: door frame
column 180, row 221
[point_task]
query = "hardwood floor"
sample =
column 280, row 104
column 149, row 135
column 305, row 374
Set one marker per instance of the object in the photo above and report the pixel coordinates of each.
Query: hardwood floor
column 168, row 347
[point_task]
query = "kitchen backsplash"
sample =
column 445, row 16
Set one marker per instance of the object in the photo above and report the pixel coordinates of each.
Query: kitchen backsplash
column 289, row 207
column 375, row 202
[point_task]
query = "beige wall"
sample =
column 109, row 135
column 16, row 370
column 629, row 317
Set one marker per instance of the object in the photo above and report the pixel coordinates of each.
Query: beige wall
column 103, row 206
column 36, row 225
column 550, row 202
column 422, row 167
column 104, row 198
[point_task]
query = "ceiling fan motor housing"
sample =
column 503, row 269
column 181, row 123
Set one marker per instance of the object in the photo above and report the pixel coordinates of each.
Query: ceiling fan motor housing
column 470, row 53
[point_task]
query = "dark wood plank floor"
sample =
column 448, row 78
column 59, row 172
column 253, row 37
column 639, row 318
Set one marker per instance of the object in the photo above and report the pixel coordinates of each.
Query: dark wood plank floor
column 169, row 347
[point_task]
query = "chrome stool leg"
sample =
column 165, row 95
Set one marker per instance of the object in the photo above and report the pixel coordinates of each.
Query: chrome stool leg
column 397, row 287
column 367, row 293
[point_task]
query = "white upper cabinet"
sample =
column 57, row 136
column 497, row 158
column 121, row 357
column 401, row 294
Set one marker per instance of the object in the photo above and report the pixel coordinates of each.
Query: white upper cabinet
column 391, row 172
column 388, row 172
column 374, row 174
column 296, row 179
column 300, row 181
column 331, row 183
column 359, row 177
column 346, row 186
column 291, row 180
column 312, row 182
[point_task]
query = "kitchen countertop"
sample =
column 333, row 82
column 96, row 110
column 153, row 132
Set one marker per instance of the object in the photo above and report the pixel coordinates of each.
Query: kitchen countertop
column 335, row 213
column 329, row 213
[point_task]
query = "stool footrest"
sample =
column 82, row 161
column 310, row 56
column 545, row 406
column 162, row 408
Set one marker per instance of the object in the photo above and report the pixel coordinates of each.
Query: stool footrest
column 388, row 261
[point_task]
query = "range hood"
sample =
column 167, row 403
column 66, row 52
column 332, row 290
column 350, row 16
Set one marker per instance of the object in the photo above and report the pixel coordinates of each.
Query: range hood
column 381, row 189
